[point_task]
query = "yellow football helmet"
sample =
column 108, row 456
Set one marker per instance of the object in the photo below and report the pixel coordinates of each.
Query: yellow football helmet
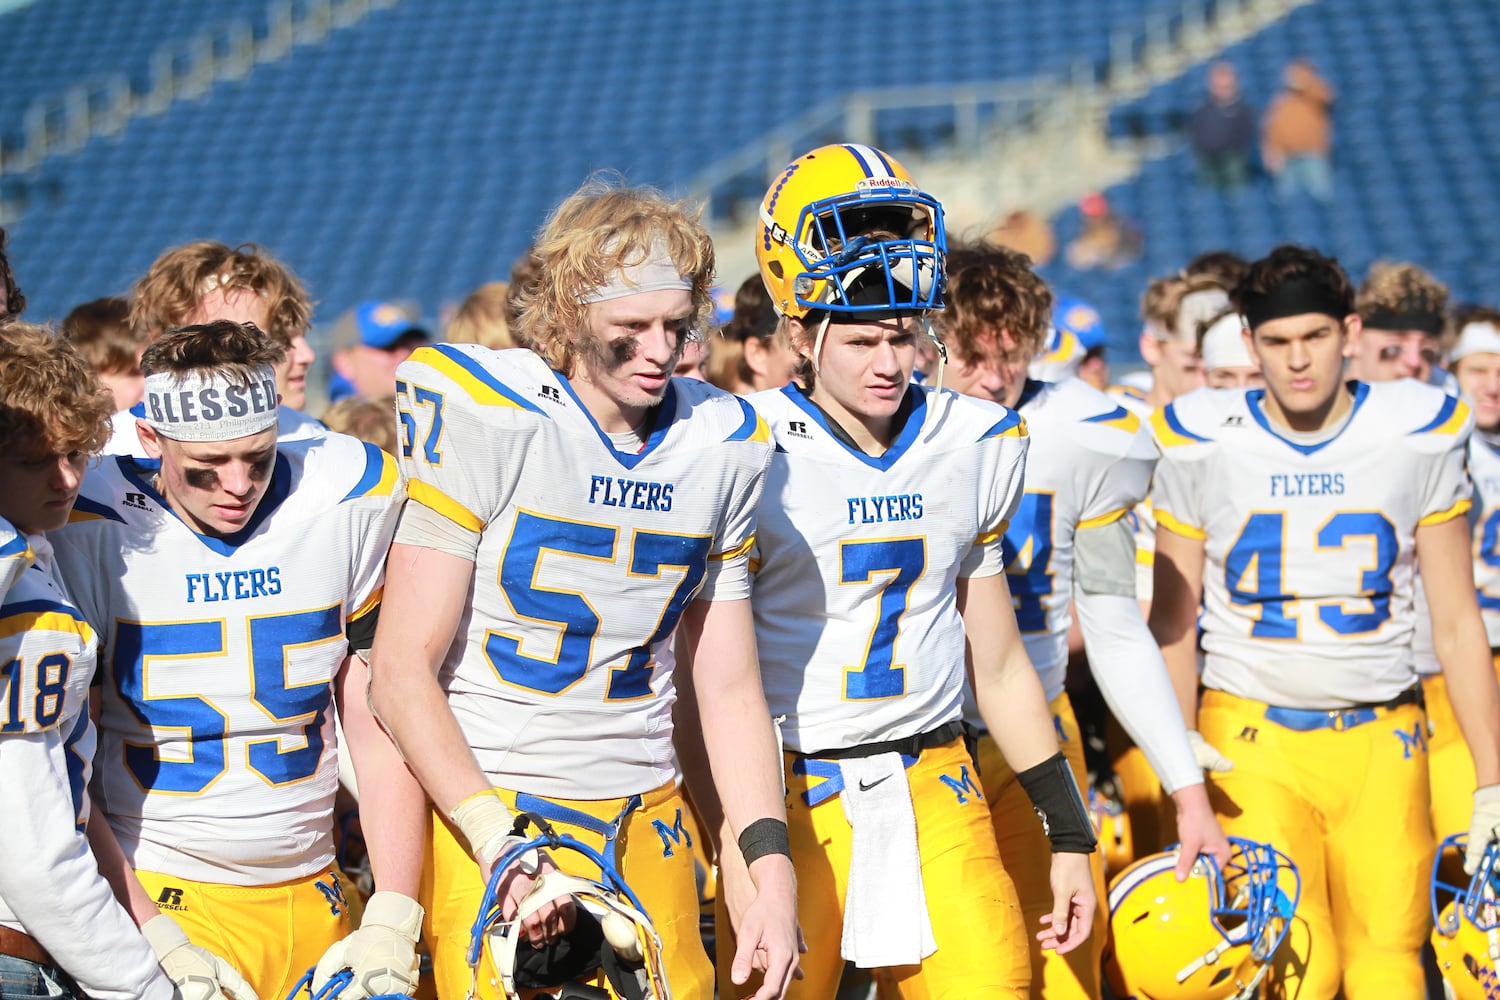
column 844, row 228
column 1466, row 923
column 1208, row 938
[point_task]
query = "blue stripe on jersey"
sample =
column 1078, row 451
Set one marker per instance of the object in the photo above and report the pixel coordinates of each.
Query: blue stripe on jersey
column 139, row 410
column 746, row 430
column 1118, row 413
column 860, row 158
column 140, row 471
column 1450, row 403
column 84, row 505
column 41, row 607
column 1007, row 422
column 1169, row 414
column 915, row 418
column 375, row 462
column 483, row 375
column 1029, row 392
column 15, row 547
column 660, row 417
column 1254, row 398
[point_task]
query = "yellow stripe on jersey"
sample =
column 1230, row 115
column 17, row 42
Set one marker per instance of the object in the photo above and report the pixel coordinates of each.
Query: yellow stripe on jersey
column 389, row 474
column 754, row 565
column 369, row 605
column 53, row 619
column 1438, row 517
column 1145, row 557
column 762, row 430
column 990, row 537
column 1103, row 519
column 1449, row 420
column 477, row 389
column 1010, row 425
column 1169, row 431
column 737, row 551
column 433, row 498
column 1119, row 418
column 1177, row 527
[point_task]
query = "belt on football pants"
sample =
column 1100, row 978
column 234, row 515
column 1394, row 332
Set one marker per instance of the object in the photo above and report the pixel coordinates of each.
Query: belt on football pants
column 1305, row 720
column 911, row 746
column 23, row 946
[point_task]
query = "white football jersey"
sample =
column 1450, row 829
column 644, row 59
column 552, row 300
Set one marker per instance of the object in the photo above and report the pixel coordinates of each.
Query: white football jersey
column 216, row 753
column 291, row 425
column 856, row 560
column 1484, row 469
column 1309, row 547
column 50, row 885
column 587, row 557
column 1090, row 463
column 15, row 555
column 1142, row 519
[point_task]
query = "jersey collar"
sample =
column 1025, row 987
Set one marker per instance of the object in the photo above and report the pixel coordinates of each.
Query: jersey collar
column 659, row 418
column 909, row 418
column 141, row 472
column 1255, row 402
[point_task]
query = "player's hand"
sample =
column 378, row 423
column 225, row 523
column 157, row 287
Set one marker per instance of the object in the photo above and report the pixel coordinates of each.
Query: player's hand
column 1073, row 903
column 1207, row 755
column 767, row 937
column 197, row 973
column 1484, row 826
column 1198, row 830
column 382, row 954
column 548, row 922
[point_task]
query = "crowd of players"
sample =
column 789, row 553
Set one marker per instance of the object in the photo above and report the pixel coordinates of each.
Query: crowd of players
column 812, row 634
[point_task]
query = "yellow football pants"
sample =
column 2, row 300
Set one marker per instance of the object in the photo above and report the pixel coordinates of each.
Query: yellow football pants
column 653, row 853
column 971, row 901
column 1027, row 856
column 1350, row 807
column 273, row 934
column 1449, row 765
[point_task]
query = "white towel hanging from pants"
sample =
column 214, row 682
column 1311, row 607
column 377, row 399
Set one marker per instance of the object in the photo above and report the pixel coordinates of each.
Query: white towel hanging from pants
column 885, row 909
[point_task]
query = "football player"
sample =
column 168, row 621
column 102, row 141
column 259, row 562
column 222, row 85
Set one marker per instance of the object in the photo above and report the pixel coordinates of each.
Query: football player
column 62, row 933
column 878, row 580
column 233, row 583
column 1068, row 544
column 570, row 506
column 1401, row 310
column 205, row 281
column 1475, row 362
column 1227, row 363
column 1294, row 513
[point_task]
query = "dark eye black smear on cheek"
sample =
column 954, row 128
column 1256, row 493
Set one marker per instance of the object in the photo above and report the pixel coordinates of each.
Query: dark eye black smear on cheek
column 621, row 351
column 201, row 479
column 261, row 471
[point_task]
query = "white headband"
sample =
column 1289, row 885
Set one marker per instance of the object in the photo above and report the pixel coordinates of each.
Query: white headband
column 1476, row 338
column 1197, row 308
column 1224, row 347
column 654, row 273
column 199, row 406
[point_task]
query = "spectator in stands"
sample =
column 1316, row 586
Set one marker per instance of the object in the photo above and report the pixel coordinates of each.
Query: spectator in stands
column 204, row 281
column 1224, row 266
column 369, row 343
column 101, row 333
column 1222, row 131
column 1107, row 242
column 483, row 318
column 1227, row 362
column 1083, row 322
column 1297, row 139
column 370, row 420
column 12, row 302
column 1401, row 308
column 1028, row 232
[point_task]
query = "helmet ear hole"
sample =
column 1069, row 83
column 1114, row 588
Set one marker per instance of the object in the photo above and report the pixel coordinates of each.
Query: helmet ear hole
column 775, row 268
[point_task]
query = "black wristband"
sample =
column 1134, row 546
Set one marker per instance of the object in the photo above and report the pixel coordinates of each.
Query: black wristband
column 1055, row 797
column 764, row 836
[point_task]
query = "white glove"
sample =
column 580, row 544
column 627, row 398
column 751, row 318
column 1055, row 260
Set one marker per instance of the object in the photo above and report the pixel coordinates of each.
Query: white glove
column 1483, row 826
column 382, row 954
column 197, row 973
column 1207, row 755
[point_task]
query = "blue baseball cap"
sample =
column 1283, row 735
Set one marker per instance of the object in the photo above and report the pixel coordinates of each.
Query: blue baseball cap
column 1081, row 320
column 381, row 324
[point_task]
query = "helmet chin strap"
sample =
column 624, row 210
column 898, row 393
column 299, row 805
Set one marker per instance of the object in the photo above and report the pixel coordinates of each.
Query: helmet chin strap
column 942, row 352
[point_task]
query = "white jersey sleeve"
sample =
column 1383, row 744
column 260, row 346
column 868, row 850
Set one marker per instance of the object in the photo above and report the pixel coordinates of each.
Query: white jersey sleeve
column 1484, row 469
column 16, row 556
column 50, row 886
column 216, row 757
column 1309, row 545
column 585, row 558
